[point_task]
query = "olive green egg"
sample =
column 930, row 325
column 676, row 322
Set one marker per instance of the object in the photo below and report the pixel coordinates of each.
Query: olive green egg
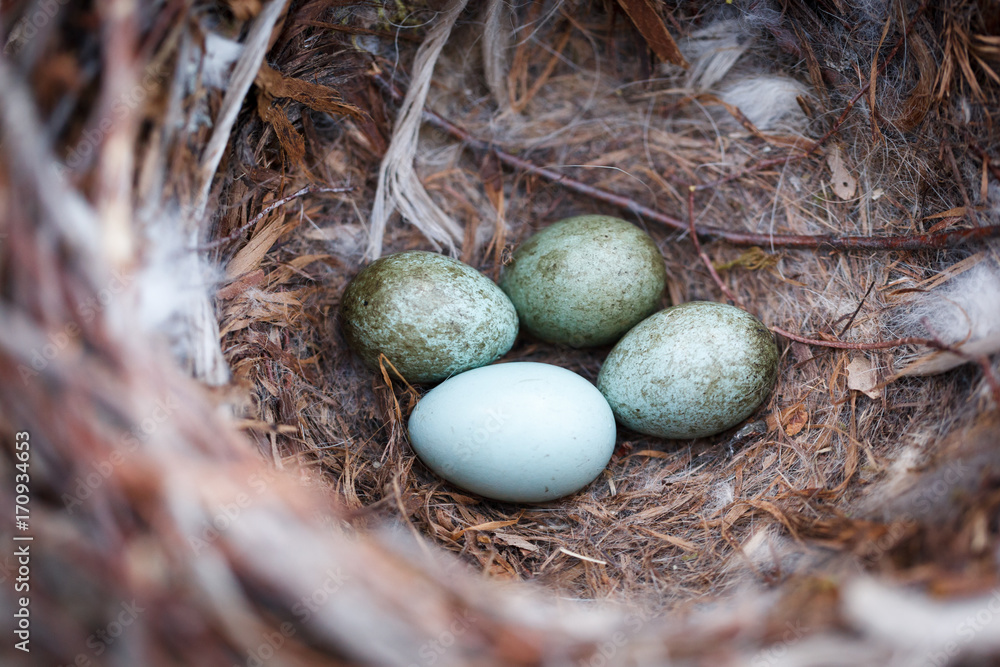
column 430, row 315
column 585, row 281
column 690, row 371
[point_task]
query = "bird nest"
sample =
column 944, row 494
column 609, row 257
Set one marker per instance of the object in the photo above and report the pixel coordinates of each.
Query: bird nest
column 197, row 470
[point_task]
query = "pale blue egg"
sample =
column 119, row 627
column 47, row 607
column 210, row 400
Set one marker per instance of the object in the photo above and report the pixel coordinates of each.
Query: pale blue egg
column 517, row 432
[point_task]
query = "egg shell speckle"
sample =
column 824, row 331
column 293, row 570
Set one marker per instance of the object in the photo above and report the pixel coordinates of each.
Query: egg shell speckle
column 690, row 371
column 585, row 281
column 432, row 316
column 516, row 432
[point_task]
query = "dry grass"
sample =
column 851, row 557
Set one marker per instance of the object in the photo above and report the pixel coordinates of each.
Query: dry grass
column 790, row 520
column 667, row 519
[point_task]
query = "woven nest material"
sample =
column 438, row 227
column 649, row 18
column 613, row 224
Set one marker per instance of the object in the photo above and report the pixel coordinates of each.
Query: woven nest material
column 208, row 476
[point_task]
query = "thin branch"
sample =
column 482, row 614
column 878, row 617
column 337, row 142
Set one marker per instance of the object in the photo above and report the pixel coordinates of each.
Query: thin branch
column 857, row 310
column 842, row 345
column 936, row 241
column 267, row 209
column 933, row 342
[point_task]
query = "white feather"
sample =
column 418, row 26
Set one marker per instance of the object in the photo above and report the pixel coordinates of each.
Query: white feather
column 173, row 299
column 964, row 312
column 221, row 53
column 713, row 51
column 769, row 102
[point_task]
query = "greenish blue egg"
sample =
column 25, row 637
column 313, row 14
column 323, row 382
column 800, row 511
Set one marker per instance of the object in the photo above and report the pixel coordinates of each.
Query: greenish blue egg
column 585, row 281
column 690, row 371
column 430, row 315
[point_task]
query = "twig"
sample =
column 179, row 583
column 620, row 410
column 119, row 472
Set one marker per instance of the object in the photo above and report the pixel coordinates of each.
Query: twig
column 936, row 241
column 267, row 209
column 842, row 345
column 857, row 310
column 934, row 342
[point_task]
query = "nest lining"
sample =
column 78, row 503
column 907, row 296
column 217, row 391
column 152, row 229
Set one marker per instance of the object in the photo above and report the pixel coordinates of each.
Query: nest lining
column 832, row 483
column 665, row 522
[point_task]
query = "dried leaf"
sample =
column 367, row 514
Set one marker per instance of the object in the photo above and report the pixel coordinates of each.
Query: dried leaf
column 753, row 259
column 291, row 141
column 792, row 419
column 515, row 541
column 950, row 213
column 314, row 96
column 844, row 184
column 289, row 298
column 237, row 287
column 652, row 453
column 489, row 525
column 649, row 24
column 734, row 514
column 674, row 540
column 235, row 325
column 252, row 253
column 863, row 376
column 272, row 84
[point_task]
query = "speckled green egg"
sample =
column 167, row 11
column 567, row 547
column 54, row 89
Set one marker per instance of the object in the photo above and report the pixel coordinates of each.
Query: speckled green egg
column 585, row 281
column 690, row 371
column 430, row 315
